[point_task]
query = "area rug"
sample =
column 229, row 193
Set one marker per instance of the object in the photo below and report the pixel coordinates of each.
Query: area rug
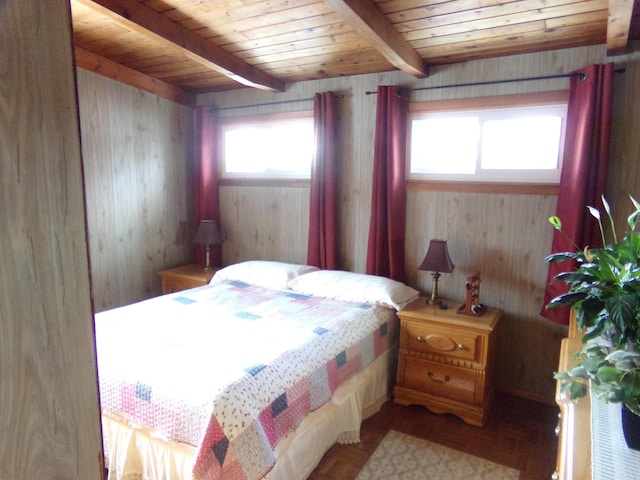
column 403, row 457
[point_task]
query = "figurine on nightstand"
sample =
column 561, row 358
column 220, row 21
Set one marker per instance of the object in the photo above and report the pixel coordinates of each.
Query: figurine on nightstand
column 472, row 304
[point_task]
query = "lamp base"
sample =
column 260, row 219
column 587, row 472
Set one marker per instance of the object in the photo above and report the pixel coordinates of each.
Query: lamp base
column 207, row 258
column 434, row 300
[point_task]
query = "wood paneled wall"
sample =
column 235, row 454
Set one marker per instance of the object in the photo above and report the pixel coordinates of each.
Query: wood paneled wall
column 259, row 224
column 624, row 166
column 138, row 151
column 49, row 416
column 506, row 237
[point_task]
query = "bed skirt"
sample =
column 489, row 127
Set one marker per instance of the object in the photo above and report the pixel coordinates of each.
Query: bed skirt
column 137, row 454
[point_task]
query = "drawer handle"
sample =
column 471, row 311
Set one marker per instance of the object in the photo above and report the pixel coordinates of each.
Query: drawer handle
column 461, row 346
column 419, row 338
column 437, row 380
column 556, row 475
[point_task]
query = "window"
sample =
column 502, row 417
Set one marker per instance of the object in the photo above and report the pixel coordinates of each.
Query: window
column 269, row 146
column 515, row 138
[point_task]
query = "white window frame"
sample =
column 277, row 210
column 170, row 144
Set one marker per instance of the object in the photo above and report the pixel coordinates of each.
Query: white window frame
column 230, row 123
column 505, row 106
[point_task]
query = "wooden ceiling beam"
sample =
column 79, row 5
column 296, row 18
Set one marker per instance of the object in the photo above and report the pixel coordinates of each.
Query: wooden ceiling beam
column 139, row 18
column 367, row 20
column 104, row 66
column 618, row 25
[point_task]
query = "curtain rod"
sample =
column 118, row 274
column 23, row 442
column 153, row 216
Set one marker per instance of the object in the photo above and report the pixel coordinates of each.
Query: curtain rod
column 267, row 104
column 492, row 82
column 580, row 75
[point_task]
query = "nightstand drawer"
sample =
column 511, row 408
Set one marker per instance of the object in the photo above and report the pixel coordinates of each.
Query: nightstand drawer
column 427, row 338
column 184, row 278
column 171, row 285
column 439, row 379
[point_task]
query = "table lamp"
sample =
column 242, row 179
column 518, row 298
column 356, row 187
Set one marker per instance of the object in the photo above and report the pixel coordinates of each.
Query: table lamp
column 437, row 261
column 208, row 234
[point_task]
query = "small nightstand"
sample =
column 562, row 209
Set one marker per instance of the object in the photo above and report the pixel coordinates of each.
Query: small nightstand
column 446, row 360
column 185, row 277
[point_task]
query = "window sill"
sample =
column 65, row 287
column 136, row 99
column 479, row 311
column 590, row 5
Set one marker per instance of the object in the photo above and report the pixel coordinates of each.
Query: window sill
column 264, row 182
column 484, row 187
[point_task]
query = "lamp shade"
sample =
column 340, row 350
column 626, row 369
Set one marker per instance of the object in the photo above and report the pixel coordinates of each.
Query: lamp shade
column 437, row 258
column 208, row 233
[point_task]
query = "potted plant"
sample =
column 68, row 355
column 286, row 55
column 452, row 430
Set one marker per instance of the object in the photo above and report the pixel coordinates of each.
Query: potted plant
column 604, row 289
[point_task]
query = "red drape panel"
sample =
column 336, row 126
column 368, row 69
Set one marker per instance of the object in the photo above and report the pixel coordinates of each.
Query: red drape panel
column 322, row 249
column 385, row 252
column 206, row 202
column 584, row 173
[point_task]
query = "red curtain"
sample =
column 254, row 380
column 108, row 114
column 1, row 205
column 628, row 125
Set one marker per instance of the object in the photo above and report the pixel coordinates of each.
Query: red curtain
column 385, row 251
column 322, row 249
column 207, row 204
column 584, row 173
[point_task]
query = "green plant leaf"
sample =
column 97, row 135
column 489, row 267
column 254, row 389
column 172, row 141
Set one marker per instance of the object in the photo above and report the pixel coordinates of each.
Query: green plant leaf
column 630, row 384
column 633, row 405
column 622, row 355
column 592, row 365
column 626, row 365
column 608, row 374
column 561, row 257
column 578, row 276
column 561, row 376
column 570, row 298
column 633, row 218
column 623, row 310
column 577, row 390
column 556, row 222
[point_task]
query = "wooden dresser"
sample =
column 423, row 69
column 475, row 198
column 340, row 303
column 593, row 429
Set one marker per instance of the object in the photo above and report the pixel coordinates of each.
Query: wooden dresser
column 185, row 277
column 574, row 419
column 446, row 360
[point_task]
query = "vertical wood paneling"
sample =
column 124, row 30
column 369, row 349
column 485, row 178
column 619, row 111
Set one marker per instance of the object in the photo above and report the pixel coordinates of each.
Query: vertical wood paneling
column 506, row 237
column 138, row 151
column 264, row 223
column 49, row 416
column 624, row 166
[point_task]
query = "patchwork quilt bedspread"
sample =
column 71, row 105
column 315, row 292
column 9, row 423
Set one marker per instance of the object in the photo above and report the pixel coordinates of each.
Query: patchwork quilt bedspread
column 231, row 368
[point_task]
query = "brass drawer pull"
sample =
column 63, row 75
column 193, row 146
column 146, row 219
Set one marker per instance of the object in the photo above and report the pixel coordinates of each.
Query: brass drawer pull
column 437, row 380
column 419, row 338
column 461, row 346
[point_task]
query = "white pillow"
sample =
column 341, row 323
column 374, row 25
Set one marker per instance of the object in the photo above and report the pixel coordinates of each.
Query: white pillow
column 355, row 287
column 268, row 274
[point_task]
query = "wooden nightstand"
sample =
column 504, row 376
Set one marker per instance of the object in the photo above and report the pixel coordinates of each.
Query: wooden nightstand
column 185, row 277
column 446, row 360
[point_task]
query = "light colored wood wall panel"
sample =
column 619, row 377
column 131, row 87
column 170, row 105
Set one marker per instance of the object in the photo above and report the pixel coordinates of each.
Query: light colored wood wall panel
column 264, row 223
column 504, row 236
column 624, row 166
column 138, row 152
column 50, row 420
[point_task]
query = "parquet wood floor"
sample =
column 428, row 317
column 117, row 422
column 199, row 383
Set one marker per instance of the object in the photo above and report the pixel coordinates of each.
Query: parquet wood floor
column 519, row 433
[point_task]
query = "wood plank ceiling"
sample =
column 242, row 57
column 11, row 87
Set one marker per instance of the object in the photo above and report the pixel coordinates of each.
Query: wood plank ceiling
column 178, row 48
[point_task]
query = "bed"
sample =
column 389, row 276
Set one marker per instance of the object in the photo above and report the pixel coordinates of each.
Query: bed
column 253, row 376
